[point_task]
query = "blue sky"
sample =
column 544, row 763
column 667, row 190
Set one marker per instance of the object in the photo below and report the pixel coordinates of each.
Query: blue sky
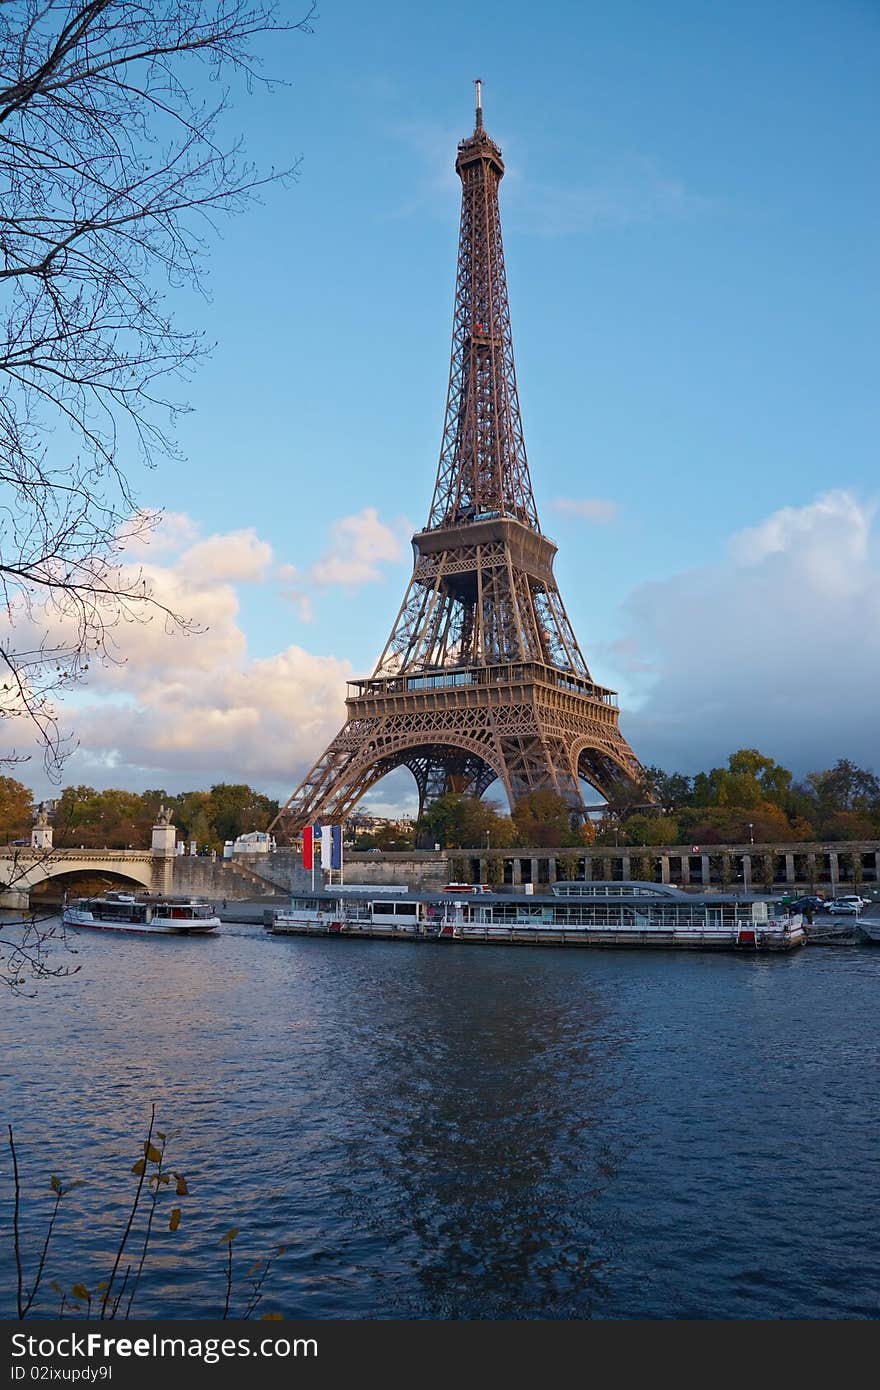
column 690, row 216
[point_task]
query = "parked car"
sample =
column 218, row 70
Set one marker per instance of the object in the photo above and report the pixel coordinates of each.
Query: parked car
column 810, row 903
column 840, row 906
column 854, row 898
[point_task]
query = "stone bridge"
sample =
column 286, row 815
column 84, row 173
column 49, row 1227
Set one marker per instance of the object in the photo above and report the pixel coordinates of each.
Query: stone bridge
column 23, row 869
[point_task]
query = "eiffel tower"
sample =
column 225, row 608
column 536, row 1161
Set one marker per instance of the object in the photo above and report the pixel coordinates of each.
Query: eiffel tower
column 482, row 676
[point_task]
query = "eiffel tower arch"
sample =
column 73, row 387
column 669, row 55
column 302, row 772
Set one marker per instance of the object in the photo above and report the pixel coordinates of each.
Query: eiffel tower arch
column 482, row 677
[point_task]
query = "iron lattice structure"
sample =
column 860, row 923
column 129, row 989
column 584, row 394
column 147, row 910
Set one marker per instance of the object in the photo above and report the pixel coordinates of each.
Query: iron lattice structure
column 482, row 676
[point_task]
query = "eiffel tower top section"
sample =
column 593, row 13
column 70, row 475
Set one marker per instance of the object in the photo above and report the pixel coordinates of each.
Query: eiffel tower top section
column 483, row 466
column 483, row 590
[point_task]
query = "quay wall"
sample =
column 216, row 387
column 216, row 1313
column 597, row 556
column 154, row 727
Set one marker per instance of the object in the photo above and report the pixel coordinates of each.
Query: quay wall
column 221, row 878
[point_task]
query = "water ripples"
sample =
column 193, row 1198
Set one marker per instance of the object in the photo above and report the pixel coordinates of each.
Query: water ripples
column 447, row 1131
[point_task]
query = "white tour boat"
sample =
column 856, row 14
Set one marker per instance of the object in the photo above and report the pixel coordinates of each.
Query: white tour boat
column 592, row 914
column 127, row 913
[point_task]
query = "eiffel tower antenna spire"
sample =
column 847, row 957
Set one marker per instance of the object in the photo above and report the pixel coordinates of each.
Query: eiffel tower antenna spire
column 482, row 677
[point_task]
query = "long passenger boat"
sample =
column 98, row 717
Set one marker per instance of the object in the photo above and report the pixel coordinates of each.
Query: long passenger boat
column 125, row 912
column 584, row 914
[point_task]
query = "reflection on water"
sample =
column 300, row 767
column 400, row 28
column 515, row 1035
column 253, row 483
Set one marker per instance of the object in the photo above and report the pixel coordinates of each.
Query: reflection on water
column 480, row 1126
column 450, row 1131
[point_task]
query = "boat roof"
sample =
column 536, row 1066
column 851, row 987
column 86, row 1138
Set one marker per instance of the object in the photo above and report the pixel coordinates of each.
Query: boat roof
column 587, row 887
column 660, row 894
column 143, row 898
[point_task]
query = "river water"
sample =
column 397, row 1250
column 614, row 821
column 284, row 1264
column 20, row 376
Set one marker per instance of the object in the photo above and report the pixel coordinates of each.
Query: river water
column 454, row 1131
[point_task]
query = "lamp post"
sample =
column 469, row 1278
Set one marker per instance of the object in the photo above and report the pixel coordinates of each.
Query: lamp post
column 751, row 835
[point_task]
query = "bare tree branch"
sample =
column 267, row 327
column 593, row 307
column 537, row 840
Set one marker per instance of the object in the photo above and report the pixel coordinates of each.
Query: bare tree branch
column 113, row 171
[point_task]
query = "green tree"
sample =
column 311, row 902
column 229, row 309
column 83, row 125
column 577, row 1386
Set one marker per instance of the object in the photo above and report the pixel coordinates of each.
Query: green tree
column 191, row 812
column 848, row 825
column 720, row 825
column 773, row 780
column 641, row 829
column 669, row 789
column 749, row 779
column 200, row 830
column 845, row 787
column 235, row 808
column 567, row 867
column 16, row 809
column 457, row 821
column 493, row 870
column 113, row 818
column 545, row 819
column 642, row 868
column 74, row 812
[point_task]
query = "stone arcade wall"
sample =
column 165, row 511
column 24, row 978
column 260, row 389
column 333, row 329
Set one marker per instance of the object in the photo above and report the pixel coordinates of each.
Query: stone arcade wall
column 843, row 866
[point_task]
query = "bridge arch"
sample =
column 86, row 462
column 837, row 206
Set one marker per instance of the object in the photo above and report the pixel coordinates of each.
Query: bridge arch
column 87, row 881
column 25, row 871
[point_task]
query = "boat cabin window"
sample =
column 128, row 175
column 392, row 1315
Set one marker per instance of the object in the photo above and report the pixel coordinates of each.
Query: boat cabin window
column 578, row 888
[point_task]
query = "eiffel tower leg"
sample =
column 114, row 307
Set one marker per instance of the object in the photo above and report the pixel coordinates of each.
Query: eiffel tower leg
column 364, row 751
column 555, row 754
column 332, row 786
column 610, row 768
column 541, row 764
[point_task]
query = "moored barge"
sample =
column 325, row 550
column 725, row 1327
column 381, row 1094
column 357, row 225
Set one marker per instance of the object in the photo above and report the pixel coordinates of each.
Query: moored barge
column 619, row 914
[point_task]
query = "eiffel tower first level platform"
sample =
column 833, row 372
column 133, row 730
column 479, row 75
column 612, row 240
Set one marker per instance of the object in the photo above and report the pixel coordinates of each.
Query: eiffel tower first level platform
column 482, row 677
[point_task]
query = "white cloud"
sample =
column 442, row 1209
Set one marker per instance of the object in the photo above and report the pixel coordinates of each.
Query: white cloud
column 238, row 556
column 183, row 708
column 261, row 721
column 158, row 532
column 176, row 707
column 829, row 536
column 359, row 544
column 596, row 509
column 776, row 646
